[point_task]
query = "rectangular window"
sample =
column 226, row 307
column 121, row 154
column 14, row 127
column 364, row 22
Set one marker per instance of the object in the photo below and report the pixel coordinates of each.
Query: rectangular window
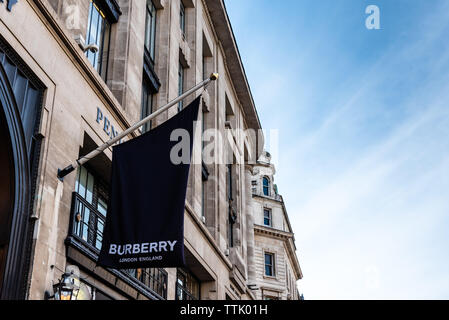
column 90, row 208
column 269, row 264
column 266, row 186
column 204, row 179
column 229, row 182
column 203, row 198
column 150, row 30
column 232, row 217
column 147, row 105
column 204, row 171
column 267, row 217
column 182, row 18
column 152, row 278
column 187, row 286
column 98, row 32
column 180, row 84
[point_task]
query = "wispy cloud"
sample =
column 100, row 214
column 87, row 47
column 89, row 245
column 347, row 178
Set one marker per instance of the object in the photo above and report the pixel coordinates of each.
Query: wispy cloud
column 364, row 155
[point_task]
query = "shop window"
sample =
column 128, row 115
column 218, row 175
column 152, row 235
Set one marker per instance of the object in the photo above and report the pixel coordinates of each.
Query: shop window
column 187, row 286
column 90, row 208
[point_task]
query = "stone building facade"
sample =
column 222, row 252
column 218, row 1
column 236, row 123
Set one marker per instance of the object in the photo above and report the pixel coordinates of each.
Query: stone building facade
column 276, row 266
column 75, row 73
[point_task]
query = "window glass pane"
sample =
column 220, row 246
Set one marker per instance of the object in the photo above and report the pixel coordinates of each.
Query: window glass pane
column 153, row 34
column 148, row 31
column 150, row 28
column 266, row 187
column 269, row 266
column 92, row 33
column 85, row 227
column 180, row 84
column 268, row 259
column 182, row 18
column 144, row 102
column 267, row 217
column 147, row 106
column 78, row 209
column 90, row 187
column 98, row 32
column 268, row 271
column 103, row 63
column 76, row 182
column 102, row 207
column 98, row 242
column 82, row 182
column 187, row 287
column 99, row 237
column 203, row 198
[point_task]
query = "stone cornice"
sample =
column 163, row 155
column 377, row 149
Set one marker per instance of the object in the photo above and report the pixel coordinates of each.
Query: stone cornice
column 225, row 34
column 288, row 239
column 272, row 232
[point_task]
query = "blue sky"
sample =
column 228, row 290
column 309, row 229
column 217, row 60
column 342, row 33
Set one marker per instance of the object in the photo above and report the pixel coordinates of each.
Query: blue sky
column 363, row 155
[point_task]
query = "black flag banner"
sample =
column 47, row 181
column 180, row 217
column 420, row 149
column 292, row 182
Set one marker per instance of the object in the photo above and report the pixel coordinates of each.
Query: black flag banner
column 145, row 219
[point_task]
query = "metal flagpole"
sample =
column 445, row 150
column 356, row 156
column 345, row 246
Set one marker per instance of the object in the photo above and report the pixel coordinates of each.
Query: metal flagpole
column 77, row 163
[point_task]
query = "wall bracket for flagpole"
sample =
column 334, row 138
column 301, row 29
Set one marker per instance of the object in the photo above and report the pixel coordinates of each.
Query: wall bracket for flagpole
column 73, row 166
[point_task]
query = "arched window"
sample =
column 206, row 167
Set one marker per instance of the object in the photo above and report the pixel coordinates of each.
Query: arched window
column 266, row 186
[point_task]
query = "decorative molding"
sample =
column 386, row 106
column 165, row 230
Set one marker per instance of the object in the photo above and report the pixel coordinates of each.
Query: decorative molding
column 14, row 267
column 274, row 233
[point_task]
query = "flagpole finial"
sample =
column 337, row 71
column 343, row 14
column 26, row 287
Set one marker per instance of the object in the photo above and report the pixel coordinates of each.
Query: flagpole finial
column 214, row 76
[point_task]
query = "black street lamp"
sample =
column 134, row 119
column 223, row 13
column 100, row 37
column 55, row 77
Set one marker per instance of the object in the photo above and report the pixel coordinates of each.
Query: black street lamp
column 66, row 289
